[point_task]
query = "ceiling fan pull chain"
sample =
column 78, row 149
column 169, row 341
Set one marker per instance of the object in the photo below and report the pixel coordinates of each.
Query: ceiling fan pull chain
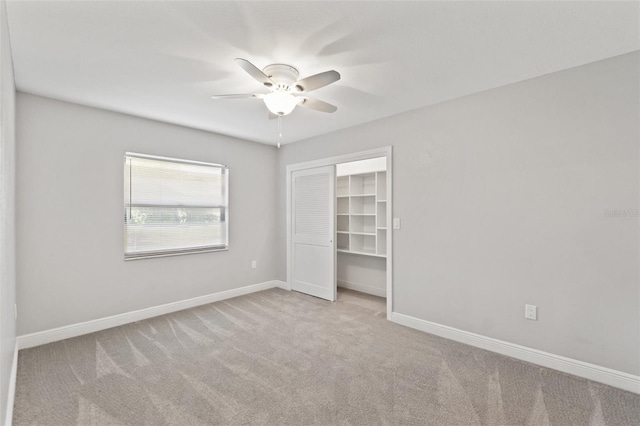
column 279, row 130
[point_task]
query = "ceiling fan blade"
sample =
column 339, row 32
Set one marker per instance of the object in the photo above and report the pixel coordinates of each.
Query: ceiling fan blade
column 317, row 81
column 236, row 96
column 254, row 72
column 318, row 105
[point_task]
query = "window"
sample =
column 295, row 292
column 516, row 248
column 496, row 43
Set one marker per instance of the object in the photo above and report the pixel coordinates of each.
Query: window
column 173, row 206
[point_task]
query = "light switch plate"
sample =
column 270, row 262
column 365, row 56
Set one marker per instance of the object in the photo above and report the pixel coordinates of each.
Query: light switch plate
column 396, row 223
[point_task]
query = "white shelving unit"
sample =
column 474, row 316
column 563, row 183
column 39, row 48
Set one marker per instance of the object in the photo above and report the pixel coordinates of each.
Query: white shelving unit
column 362, row 213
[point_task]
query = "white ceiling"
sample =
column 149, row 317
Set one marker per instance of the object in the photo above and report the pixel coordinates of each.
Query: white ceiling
column 162, row 60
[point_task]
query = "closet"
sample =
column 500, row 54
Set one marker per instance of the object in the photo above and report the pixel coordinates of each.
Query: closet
column 361, row 225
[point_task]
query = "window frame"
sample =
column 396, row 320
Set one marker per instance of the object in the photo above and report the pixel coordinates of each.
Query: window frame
column 176, row 252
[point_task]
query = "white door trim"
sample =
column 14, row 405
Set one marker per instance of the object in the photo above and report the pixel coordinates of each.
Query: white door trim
column 356, row 156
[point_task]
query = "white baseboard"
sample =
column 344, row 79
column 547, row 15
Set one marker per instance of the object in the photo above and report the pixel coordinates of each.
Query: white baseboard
column 605, row 375
column 382, row 292
column 281, row 284
column 73, row 330
column 11, row 393
column 284, row 285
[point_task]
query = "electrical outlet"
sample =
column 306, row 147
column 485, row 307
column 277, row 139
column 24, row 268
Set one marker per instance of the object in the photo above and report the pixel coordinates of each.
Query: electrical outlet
column 254, row 264
column 531, row 312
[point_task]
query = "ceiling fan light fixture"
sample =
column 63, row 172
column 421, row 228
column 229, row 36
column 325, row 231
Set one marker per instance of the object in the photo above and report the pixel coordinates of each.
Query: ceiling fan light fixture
column 283, row 83
column 280, row 103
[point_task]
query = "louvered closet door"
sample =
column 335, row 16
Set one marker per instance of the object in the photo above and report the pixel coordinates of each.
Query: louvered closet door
column 313, row 222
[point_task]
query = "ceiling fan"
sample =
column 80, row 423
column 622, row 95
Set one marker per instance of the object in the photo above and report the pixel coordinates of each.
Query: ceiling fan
column 286, row 91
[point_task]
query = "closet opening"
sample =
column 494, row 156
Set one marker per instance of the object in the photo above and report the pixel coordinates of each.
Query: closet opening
column 339, row 232
column 361, row 225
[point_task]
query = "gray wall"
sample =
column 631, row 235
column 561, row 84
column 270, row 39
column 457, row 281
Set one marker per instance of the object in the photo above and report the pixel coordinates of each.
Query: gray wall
column 7, row 213
column 367, row 272
column 70, row 207
column 502, row 196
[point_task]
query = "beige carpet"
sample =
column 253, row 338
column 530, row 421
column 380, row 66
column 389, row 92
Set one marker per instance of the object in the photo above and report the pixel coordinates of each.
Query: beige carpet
column 283, row 358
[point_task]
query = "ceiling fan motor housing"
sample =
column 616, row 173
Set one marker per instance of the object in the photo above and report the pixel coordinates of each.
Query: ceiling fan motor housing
column 282, row 74
column 286, row 91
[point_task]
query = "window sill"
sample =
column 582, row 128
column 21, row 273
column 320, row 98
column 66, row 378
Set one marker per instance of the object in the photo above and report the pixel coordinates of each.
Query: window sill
column 174, row 253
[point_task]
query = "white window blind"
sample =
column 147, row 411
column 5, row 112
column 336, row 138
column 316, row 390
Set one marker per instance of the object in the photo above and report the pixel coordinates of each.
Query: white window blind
column 173, row 206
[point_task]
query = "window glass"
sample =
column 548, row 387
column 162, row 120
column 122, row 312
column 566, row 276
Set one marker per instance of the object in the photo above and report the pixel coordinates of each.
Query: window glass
column 173, row 206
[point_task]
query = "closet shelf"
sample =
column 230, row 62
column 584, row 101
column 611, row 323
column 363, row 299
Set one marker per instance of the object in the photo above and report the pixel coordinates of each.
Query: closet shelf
column 361, row 253
column 361, row 203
